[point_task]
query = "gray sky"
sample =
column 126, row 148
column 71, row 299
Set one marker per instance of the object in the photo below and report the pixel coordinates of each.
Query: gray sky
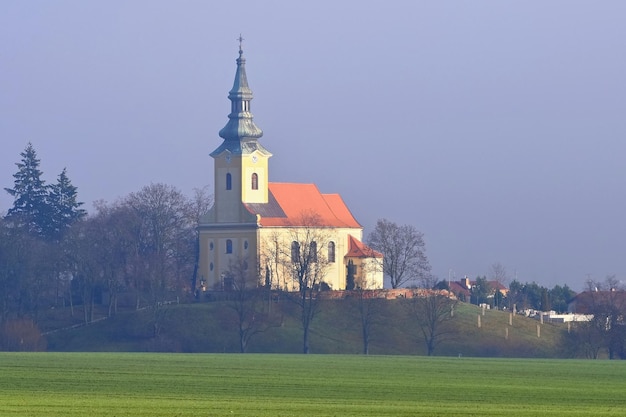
column 495, row 127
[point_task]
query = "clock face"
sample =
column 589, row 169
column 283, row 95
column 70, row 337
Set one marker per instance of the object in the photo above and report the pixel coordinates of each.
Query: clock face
column 227, row 158
column 254, row 159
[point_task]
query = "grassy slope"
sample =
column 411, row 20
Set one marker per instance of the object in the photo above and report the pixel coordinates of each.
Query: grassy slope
column 155, row 385
column 210, row 327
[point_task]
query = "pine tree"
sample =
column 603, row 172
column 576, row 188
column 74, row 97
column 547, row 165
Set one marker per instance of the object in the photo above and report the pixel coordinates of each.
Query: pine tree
column 30, row 207
column 63, row 204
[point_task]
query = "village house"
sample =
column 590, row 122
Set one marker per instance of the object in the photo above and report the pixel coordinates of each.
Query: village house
column 462, row 288
column 586, row 301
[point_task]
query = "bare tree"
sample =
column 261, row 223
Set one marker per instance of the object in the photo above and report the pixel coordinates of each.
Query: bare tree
column 26, row 267
column 164, row 236
column 432, row 311
column 86, row 249
column 246, row 302
column 606, row 301
column 369, row 305
column 306, row 264
column 117, row 230
column 497, row 274
column 199, row 205
column 404, row 251
column 13, row 260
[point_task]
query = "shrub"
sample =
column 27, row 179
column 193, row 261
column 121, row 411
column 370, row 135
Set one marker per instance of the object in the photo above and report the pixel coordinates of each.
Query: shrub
column 21, row 335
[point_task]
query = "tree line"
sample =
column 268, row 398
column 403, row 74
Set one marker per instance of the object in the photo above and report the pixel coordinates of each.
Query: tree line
column 605, row 332
column 519, row 295
column 522, row 296
column 144, row 248
column 54, row 254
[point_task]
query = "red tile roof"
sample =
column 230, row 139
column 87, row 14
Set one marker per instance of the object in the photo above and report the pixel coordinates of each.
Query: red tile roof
column 290, row 204
column 458, row 288
column 358, row 249
column 586, row 301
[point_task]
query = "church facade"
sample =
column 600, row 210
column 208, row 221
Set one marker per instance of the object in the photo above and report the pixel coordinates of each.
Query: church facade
column 260, row 227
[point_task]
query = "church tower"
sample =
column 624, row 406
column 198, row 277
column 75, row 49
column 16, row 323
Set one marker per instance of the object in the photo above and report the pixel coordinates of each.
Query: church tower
column 241, row 162
column 252, row 223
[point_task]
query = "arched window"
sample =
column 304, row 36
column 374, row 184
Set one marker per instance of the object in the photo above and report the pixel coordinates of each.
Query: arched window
column 255, row 181
column 229, row 246
column 295, row 251
column 313, row 252
column 229, row 181
column 331, row 252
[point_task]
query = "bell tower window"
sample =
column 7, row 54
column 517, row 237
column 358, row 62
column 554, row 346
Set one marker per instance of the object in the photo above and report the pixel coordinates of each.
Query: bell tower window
column 255, row 181
column 229, row 181
column 229, row 246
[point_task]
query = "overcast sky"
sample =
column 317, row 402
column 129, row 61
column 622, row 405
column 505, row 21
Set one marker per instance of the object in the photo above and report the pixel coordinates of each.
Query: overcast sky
column 497, row 128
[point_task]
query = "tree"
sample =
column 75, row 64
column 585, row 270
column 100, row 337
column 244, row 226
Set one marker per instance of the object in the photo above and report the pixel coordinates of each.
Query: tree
column 115, row 229
column 26, row 269
column 199, row 205
column 432, row 311
column 17, row 266
column 498, row 275
column 64, row 206
column 368, row 304
column 523, row 296
column 403, row 248
column 514, row 297
column 306, row 262
column 30, row 205
column 87, row 256
column 480, row 291
column 586, row 339
column 560, row 296
column 545, row 300
column 532, row 293
column 246, row 302
column 45, row 211
column 607, row 303
column 165, row 234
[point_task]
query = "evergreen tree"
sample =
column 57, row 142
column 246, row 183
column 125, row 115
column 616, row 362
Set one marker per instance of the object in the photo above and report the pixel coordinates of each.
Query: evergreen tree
column 480, row 291
column 350, row 283
column 30, row 207
column 560, row 296
column 63, row 204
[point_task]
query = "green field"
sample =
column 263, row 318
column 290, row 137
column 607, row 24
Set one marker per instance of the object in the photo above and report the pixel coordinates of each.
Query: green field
column 136, row 384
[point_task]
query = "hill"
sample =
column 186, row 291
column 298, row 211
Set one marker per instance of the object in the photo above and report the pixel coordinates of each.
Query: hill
column 212, row 327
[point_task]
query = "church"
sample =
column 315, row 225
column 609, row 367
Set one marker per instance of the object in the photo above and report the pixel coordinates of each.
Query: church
column 261, row 227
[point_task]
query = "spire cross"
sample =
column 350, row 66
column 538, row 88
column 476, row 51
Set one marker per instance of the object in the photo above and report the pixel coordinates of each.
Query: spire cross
column 240, row 39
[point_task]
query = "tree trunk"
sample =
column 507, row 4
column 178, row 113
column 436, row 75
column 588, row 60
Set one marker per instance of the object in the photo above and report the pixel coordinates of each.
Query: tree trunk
column 366, row 341
column 431, row 347
column 71, row 302
column 242, row 341
column 305, row 341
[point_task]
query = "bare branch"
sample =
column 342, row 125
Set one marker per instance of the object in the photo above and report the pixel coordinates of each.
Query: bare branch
column 404, row 250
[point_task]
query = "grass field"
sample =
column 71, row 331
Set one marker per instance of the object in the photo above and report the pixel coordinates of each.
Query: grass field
column 136, row 384
column 212, row 328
